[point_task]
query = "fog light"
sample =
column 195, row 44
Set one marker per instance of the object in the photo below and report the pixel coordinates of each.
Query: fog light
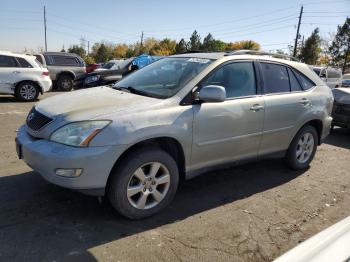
column 69, row 172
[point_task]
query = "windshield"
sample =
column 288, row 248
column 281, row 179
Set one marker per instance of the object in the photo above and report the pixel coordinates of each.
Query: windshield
column 108, row 65
column 165, row 77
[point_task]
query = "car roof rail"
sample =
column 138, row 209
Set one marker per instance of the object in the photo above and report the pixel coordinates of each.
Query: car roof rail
column 262, row 53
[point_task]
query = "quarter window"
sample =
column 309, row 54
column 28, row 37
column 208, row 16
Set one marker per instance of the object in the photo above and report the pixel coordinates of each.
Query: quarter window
column 23, row 62
column 7, row 61
column 276, row 78
column 237, row 78
column 294, row 84
column 305, row 82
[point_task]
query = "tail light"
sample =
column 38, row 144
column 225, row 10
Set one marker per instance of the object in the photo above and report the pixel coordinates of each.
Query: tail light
column 45, row 73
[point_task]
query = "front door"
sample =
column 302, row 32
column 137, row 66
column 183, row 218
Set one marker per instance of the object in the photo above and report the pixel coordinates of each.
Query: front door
column 230, row 130
column 7, row 74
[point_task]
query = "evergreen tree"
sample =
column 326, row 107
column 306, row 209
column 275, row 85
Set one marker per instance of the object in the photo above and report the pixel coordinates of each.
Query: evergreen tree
column 310, row 52
column 102, row 54
column 80, row 51
column 195, row 41
column 208, row 43
column 181, row 47
column 340, row 47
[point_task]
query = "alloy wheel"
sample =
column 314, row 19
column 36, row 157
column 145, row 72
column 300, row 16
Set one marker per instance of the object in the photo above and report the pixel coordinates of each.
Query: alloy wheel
column 305, row 147
column 28, row 92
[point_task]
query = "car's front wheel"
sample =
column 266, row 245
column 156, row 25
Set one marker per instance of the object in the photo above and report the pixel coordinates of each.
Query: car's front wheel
column 303, row 148
column 27, row 91
column 145, row 183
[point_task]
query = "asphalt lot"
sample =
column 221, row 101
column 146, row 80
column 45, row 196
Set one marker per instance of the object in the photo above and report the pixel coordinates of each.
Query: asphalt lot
column 253, row 212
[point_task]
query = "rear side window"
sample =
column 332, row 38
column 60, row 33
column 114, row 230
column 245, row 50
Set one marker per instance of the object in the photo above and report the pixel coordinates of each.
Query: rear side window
column 305, row 82
column 276, row 78
column 23, row 62
column 294, row 84
column 238, row 79
column 7, row 61
column 40, row 59
column 65, row 60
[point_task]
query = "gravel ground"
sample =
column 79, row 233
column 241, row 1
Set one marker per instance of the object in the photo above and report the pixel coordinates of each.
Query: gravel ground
column 253, row 212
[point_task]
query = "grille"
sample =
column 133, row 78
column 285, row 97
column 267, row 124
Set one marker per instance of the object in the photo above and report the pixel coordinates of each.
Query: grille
column 36, row 120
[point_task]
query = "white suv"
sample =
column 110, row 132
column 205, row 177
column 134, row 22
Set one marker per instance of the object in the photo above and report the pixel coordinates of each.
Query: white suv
column 23, row 76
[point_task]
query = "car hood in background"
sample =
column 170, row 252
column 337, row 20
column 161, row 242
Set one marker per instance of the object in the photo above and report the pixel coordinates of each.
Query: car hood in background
column 342, row 95
column 94, row 102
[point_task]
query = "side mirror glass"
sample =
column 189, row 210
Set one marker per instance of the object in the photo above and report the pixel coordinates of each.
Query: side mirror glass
column 212, row 94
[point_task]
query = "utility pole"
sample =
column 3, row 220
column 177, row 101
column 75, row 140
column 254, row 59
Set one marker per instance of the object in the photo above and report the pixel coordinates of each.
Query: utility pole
column 88, row 48
column 297, row 36
column 45, row 29
column 141, row 43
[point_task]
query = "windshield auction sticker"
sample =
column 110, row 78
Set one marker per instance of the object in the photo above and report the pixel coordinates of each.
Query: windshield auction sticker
column 199, row 60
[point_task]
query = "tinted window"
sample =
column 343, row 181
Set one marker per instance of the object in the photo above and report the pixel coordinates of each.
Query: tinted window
column 294, row 84
column 7, row 61
column 317, row 71
column 305, row 82
column 40, row 59
column 65, row 60
column 237, row 78
column 23, row 62
column 275, row 78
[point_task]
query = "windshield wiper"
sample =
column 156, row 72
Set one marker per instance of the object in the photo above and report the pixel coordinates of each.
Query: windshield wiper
column 121, row 88
column 135, row 91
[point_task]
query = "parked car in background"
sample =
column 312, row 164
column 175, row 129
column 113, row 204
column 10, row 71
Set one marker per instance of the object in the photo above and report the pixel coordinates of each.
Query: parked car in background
column 105, row 77
column 346, row 76
column 331, row 244
column 345, row 83
column 111, row 65
column 23, row 76
column 341, row 107
column 63, row 68
column 174, row 119
column 92, row 67
column 330, row 75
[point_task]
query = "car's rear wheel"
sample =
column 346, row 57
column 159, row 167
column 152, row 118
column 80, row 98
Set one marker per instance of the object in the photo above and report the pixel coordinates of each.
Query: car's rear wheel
column 27, row 91
column 65, row 83
column 303, row 148
column 145, row 183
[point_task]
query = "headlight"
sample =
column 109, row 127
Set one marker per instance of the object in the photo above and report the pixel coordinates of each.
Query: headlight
column 78, row 133
column 92, row 79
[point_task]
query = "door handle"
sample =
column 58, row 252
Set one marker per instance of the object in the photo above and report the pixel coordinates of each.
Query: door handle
column 304, row 101
column 16, row 72
column 256, row 107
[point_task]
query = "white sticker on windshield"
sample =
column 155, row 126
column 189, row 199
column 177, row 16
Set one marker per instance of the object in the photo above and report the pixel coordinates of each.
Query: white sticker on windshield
column 199, row 60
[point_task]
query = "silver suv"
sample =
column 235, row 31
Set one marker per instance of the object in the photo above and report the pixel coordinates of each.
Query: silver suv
column 174, row 119
column 63, row 68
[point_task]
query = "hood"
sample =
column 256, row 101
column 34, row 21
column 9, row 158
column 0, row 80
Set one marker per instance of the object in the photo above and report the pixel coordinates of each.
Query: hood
column 342, row 95
column 94, row 102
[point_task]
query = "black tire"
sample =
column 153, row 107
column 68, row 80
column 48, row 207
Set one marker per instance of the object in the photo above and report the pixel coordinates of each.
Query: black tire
column 121, row 178
column 291, row 157
column 30, row 95
column 65, row 83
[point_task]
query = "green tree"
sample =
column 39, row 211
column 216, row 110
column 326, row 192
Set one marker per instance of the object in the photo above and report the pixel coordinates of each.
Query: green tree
column 80, row 51
column 181, row 47
column 164, row 47
column 195, row 41
column 208, row 43
column 340, row 47
column 310, row 52
column 89, row 60
column 244, row 44
column 102, row 54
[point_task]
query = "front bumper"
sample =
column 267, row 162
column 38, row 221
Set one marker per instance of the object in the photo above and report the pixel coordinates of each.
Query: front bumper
column 46, row 156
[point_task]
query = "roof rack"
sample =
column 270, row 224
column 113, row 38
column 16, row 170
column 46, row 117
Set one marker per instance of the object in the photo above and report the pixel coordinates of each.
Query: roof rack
column 253, row 52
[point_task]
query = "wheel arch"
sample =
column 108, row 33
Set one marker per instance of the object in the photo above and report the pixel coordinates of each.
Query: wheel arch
column 169, row 144
column 69, row 73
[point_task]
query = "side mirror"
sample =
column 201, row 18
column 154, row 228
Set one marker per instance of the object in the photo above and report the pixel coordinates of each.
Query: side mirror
column 134, row 68
column 212, row 94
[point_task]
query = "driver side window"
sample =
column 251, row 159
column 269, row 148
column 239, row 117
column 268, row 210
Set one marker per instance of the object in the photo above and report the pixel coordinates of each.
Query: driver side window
column 237, row 78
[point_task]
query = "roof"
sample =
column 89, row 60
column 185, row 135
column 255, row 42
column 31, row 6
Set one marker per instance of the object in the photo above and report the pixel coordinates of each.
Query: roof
column 60, row 53
column 214, row 55
column 15, row 54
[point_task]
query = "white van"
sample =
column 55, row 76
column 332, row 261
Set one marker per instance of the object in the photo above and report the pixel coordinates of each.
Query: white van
column 330, row 75
column 23, row 76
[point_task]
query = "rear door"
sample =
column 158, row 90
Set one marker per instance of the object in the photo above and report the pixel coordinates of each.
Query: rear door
column 285, row 102
column 8, row 74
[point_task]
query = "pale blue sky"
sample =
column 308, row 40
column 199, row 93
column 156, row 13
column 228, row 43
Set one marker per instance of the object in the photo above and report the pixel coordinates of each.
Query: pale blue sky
column 272, row 23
